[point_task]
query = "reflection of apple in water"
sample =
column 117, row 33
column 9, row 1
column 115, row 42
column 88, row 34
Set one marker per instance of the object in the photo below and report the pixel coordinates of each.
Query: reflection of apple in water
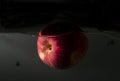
column 61, row 44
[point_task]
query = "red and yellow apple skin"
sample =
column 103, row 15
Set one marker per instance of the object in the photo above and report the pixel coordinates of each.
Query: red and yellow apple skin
column 61, row 51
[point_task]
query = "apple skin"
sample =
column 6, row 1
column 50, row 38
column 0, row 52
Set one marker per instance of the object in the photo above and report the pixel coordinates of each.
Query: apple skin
column 61, row 48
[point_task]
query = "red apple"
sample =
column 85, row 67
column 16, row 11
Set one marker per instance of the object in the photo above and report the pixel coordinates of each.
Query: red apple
column 61, row 44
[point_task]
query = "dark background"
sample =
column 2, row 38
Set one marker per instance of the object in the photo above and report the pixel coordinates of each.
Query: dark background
column 19, row 60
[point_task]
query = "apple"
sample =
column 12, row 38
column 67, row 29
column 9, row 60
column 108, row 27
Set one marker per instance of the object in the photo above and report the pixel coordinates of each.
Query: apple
column 61, row 44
